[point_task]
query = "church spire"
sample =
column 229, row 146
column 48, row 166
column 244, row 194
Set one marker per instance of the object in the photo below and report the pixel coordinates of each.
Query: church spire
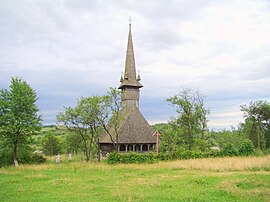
column 130, row 68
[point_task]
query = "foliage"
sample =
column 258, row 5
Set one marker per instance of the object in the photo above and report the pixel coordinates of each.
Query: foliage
column 230, row 150
column 19, row 119
column 247, row 148
column 83, row 120
column 257, row 123
column 51, row 144
column 6, row 158
column 25, row 156
column 73, row 142
column 131, row 157
column 233, row 137
column 192, row 116
column 111, row 115
column 170, row 139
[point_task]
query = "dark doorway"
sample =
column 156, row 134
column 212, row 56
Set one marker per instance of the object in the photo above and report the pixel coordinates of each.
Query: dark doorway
column 137, row 148
column 130, row 147
column 122, row 147
column 144, row 147
column 151, row 148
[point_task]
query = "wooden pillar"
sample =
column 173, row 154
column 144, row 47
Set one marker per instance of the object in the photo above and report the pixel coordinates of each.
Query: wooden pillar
column 126, row 147
column 157, row 145
column 157, row 134
column 148, row 147
column 133, row 147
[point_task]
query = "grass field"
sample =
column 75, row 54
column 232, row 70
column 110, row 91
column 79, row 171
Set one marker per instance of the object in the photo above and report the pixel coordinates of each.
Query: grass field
column 224, row 179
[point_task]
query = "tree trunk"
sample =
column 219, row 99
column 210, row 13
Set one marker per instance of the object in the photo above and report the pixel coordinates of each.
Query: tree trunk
column 258, row 138
column 98, row 150
column 90, row 148
column 15, row 161
column 86, row 152
column 189, row 139
column 116, row 143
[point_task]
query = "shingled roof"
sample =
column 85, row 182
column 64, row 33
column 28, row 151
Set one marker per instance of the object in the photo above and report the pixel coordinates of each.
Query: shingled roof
column 133, row 129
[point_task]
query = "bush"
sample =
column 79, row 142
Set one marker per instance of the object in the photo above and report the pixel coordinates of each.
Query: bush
column 229, row 150
column 6, row 158
column 246, row 148
column 24, row 156
column 132, row 157
column 28, row 157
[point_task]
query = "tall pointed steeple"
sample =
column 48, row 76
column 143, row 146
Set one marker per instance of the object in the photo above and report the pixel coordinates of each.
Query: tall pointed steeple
column 130, row 84
column 130, row 76
column 134, row 132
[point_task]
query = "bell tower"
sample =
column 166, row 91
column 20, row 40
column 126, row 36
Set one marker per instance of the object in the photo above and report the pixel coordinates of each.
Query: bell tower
column 130, row 81
column 134, row 132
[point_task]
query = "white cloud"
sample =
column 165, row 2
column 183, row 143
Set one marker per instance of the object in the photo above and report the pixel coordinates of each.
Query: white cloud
column 66, row 49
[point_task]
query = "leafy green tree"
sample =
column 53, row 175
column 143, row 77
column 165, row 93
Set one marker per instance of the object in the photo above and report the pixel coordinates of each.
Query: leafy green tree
column 201, row 113
column 51, row 144
column 233, row 136
column 112, row 114
column 73, row 142
column 192, row 115
column 82, row 120
column 257, row 122
column 19, row 119
column 246, row 148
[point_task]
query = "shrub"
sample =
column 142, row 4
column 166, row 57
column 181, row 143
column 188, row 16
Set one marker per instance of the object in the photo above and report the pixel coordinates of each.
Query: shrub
column 229, row 150
column 6, row 158
column 246, row 148
column 24, row 157
column 132, row 157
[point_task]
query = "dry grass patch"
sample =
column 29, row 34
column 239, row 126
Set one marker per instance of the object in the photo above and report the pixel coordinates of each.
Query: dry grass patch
column 219, row 164
column 210, row 164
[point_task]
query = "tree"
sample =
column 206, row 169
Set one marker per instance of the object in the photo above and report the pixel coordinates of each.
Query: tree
column 51, row 144
column 19, row 119
column 201, row 113
column 170, row 139
column 73, row 142
column 257, row 122
column 112, row 114
column 232, row 136
column 82, row 120
column 192, row 115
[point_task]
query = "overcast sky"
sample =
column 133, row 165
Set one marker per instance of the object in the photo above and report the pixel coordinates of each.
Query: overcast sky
column 66, row 49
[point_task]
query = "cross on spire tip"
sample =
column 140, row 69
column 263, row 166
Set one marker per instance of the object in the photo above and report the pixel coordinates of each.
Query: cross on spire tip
column 130, row 20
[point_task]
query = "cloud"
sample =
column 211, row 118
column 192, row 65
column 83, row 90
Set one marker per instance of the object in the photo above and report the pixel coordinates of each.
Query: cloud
column 67, row 49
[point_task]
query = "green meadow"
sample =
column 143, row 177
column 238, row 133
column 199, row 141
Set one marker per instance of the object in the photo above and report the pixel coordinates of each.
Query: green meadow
column 220, row 179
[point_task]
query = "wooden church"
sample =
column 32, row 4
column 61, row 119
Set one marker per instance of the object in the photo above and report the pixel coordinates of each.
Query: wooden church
column 134, row 133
